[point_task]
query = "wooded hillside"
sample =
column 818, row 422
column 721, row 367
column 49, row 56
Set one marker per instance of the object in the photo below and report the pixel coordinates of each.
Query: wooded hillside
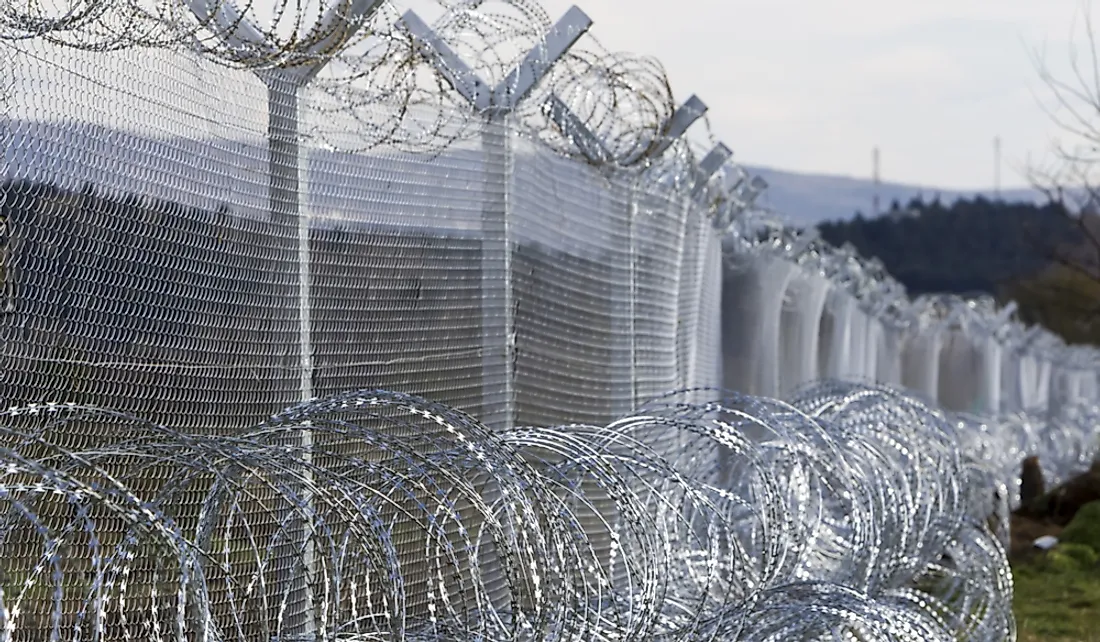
column 968, row 246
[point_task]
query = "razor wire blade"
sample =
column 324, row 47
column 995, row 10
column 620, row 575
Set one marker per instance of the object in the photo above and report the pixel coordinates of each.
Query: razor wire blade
column 371, row 515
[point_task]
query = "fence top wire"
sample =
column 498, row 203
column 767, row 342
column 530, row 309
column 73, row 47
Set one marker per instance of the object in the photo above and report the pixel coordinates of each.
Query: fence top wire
column 377, row 79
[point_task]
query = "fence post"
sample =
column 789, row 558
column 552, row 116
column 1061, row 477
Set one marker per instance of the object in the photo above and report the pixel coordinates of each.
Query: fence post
column 286, row 167
column 286, row 175
column 497, row 304
column 1027, row 368
column 1010, row 376
column 992, row 357
column 622, row 386
column 632, row 298
column 800, row 350
column 288, row 170
column 691, row 271
column 497, row 106
column 674, row 129
column 841, row 307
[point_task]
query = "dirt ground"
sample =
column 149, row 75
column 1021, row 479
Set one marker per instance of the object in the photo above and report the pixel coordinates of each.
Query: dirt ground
column 1050, row 513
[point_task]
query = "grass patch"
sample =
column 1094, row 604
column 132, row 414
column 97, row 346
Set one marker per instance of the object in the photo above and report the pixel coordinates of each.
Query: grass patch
column 1057, row 600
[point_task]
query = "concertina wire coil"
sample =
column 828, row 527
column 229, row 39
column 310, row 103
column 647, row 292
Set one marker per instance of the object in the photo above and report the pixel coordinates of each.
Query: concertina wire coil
column 849, row 512
column 852, row 510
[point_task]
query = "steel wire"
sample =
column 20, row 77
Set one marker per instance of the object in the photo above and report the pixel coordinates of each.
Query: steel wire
column 848, row 512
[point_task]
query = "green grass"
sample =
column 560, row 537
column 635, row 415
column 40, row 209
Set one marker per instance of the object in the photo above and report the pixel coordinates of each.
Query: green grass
column 1057, row 600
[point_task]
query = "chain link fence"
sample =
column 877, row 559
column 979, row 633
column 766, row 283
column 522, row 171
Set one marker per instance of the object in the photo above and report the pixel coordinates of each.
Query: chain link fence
column 153, row 260
column 203, row 246
column 202, row 227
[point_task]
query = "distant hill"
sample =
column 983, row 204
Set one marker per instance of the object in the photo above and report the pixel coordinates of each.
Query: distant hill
column 809, row 199
column 83, row 153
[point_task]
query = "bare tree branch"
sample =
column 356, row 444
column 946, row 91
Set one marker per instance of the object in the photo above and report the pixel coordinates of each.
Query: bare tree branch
column 1073, row 105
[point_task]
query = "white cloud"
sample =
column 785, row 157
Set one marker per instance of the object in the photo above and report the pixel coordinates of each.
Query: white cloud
column 910, row 65
column 815, row 85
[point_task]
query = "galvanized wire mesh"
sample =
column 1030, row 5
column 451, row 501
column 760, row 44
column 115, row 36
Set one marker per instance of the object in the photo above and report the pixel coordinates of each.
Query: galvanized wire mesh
column 190, row 239
column 204, row 221
column 154, row 245
column 572, row 268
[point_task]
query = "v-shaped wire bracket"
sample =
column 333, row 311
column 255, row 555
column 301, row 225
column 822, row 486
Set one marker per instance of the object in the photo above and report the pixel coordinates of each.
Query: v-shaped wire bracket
column 684, row 117
column 518, row 84
column 710, row 165
column 506, row 96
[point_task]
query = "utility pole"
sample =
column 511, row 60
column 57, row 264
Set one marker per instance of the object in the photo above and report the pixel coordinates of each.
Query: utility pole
column 997, row 168
column 875, row 178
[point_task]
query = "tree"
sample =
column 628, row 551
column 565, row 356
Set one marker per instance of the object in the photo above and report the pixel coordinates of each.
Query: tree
column 1062, row 299
column 968, row 245
column 1072, row 178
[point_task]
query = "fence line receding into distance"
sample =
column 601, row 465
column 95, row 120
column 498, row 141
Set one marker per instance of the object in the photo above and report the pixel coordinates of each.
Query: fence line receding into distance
column 222, row 218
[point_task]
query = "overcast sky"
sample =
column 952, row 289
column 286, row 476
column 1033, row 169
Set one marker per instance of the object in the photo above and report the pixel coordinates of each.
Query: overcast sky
column 814, row 85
